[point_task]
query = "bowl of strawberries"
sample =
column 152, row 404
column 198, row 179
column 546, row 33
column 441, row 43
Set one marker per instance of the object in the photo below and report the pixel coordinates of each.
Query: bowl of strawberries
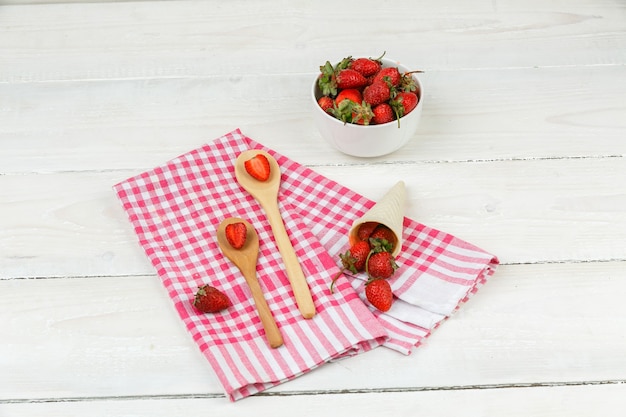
column 367, row 107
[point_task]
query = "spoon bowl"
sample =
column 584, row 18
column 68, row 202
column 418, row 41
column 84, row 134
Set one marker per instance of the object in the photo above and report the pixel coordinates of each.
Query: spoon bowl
column 251, row 184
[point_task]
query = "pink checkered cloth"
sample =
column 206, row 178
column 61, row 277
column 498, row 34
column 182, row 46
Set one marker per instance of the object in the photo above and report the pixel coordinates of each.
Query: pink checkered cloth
column 175, row 210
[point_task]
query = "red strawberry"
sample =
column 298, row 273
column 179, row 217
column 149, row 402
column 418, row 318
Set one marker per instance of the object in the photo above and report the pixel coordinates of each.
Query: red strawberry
column 236, row 234
column 353, row 260
column 391, row 73
column 376, row 93
column 380, row 265
column 350, row 94
column 326, row 103
column 258, row 167
column 383, row 113
column 366, row 66
column 349, row 78
column 403, row 103
column 407, row 83
column 332, row 79
column 210, row 300
column 362, row 114
column 349, row 111
column 365, row 230
column 384, row 234
column 378, row 293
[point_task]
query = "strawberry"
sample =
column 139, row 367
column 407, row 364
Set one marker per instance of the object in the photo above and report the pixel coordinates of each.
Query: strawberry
column 403, row 103
column 366, row 66
column 332, row 79
column 343, row 110
column 384, row 235
column 349, row 111
column 376, row 93
column 349, row 78
column 353, row 260
column 407, row 83
column 350, row 94
column 380, row 265
column 378, row 293
column 378, row 244
column 365, row 230
column 326, row 103
column 210, row 300
column 390, row 74
column 236, row 234
column 383, row 113
column 258, row 167
column 362, row 114
column 326, row 80
column 355, row 257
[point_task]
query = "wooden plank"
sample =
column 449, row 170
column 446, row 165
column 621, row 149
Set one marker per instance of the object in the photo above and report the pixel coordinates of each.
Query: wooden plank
column 188, row 38
column 101, row 337
column 71, row 224
column 570, row 401
column 468, row 116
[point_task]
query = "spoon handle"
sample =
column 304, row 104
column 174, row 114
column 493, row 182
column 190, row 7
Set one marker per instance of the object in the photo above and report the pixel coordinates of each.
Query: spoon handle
column 296, row 277
column 272, row 333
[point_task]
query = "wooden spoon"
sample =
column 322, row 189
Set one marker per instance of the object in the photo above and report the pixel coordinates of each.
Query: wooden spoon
column 246, row 259
column 266, row 193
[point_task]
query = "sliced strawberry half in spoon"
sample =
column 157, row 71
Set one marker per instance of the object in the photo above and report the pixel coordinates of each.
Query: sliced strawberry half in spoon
column 258, row 167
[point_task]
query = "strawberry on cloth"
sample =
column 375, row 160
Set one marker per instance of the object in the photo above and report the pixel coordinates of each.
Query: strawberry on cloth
column 175, row 210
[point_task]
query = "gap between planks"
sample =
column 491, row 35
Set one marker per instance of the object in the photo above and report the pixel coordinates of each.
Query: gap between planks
column 316, row 392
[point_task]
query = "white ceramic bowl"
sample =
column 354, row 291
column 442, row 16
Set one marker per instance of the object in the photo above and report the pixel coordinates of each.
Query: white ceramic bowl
column 371, row 140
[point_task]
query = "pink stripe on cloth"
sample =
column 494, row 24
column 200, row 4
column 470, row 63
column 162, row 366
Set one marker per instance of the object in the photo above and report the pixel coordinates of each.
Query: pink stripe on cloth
column 175, row 210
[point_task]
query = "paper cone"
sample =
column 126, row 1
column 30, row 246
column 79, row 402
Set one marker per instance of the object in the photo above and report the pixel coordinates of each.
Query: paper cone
column 389, row 210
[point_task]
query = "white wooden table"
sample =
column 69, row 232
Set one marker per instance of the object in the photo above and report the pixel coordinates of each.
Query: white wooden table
column 521, row 151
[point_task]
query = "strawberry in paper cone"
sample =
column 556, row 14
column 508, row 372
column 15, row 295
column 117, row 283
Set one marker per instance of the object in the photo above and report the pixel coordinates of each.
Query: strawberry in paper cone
column 388, row 211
